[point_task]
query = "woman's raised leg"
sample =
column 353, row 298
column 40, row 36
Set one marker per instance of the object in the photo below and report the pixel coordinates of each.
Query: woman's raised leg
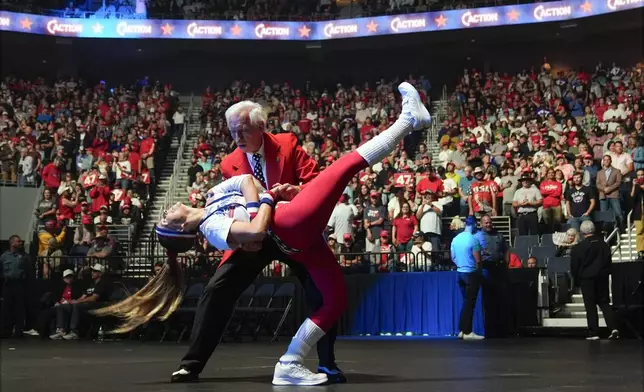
column 300, row 222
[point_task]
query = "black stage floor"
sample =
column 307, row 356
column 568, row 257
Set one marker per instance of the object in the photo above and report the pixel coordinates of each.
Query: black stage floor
column 529, row 364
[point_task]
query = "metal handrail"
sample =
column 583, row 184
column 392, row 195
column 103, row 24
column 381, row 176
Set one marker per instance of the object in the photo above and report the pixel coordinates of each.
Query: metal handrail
column 614, row 233
column 629, row 233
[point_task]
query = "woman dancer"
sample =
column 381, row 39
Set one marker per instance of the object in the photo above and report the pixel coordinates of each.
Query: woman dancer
column 236, row 215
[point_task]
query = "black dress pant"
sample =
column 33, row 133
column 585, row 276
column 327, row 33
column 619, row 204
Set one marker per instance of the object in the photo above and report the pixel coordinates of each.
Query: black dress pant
column 13, row 308
column 595, row 293
column 528, row 224
column 221, row 293
column 469, row 284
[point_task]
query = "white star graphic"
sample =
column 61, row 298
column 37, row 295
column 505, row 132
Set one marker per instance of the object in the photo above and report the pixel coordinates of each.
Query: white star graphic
column 98, row 28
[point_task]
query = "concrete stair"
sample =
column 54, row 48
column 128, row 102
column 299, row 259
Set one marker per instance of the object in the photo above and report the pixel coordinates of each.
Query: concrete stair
column 572, row 315
column 628, row 248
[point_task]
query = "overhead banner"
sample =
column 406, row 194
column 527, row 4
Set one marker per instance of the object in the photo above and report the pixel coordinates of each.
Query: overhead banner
column 312, row 31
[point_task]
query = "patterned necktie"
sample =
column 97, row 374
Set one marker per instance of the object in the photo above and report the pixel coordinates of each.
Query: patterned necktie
column 257, row 168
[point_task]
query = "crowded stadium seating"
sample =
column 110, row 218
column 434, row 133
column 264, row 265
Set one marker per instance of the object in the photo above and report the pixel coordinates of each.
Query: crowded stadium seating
column 493, row 129
column 498, row 127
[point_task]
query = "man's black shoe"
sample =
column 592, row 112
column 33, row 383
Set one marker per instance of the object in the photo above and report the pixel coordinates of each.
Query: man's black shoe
column 184, row 375
column 333, row 373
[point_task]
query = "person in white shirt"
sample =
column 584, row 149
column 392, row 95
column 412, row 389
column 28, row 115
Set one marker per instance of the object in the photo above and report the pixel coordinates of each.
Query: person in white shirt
column 429, row 215
column 123, row 170
column 614, row 115
column 341, row 220
column 178, row 118
column 26, row 164
column 421, row 253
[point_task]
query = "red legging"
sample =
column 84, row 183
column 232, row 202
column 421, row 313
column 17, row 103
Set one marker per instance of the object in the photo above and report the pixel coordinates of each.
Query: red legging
column 300, row 224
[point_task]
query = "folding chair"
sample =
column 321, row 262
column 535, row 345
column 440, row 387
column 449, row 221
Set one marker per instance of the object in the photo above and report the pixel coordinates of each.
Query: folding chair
column 187, row 309
column 526, row 241
column 285, row 292
column 242, row 308
column 262, row 300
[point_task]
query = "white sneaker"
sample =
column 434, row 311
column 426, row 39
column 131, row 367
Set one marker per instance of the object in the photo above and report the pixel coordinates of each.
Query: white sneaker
column 472, row 336
column 71, row 336
column 614, row 335
column 296, row 374
column 460, row 335
column 413, row 108
column 31, row 332
column 57, row 336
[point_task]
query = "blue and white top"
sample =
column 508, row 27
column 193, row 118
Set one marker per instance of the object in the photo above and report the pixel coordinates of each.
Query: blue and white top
column 225, row 204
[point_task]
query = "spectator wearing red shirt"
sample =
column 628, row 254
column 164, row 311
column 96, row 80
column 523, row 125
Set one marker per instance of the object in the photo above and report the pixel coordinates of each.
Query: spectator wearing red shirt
column 515, row 261
column 100, row 144
column 366, row 128
column 483, row 199
column 135, row 160
column 51, row 175
column 100, row 194
column 147, row 149
column 430, row 183
column 66, row 205
column 552, row 192
column 404, row 227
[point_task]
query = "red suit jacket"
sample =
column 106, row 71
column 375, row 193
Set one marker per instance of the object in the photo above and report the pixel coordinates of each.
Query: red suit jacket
column 286, row 163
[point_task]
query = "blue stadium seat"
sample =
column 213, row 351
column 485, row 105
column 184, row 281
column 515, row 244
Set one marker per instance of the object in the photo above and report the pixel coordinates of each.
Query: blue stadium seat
column 526, row 241
column 546, row 240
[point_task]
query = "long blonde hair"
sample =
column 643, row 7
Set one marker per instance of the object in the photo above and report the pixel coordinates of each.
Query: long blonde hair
column 160, row 297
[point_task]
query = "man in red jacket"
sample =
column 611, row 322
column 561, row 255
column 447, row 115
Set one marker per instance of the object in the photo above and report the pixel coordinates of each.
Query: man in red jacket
column 274, row 160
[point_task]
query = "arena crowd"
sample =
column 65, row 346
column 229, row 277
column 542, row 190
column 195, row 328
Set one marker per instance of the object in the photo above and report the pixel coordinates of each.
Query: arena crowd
column 548, row 149
column 93, row 149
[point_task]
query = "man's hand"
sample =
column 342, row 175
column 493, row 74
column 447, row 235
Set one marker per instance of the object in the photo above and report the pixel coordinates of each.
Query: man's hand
column 285, row 192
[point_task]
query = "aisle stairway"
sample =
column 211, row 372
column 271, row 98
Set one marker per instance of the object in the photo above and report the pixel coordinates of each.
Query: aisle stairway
column 572, row 315
column 139, row 264
column 438, row 111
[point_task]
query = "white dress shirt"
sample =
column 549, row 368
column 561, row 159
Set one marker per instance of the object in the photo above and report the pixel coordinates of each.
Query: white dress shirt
column 251, row 162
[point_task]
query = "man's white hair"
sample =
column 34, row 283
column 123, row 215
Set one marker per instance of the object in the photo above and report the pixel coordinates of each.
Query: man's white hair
column 587, row 227
column 253, row 110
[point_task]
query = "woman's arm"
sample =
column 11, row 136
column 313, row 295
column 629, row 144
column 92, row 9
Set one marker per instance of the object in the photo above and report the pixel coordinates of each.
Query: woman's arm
column 226, row 233
column 254, row 231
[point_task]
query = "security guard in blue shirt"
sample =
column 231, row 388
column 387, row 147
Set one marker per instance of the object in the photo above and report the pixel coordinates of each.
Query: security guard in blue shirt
column 495, row 257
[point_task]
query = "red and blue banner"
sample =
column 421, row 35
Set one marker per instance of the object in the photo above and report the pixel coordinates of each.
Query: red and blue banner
column 312, row 31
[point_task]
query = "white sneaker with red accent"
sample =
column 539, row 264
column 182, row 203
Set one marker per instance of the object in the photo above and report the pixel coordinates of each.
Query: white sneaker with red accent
column 413, row 108
column 294, row 373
